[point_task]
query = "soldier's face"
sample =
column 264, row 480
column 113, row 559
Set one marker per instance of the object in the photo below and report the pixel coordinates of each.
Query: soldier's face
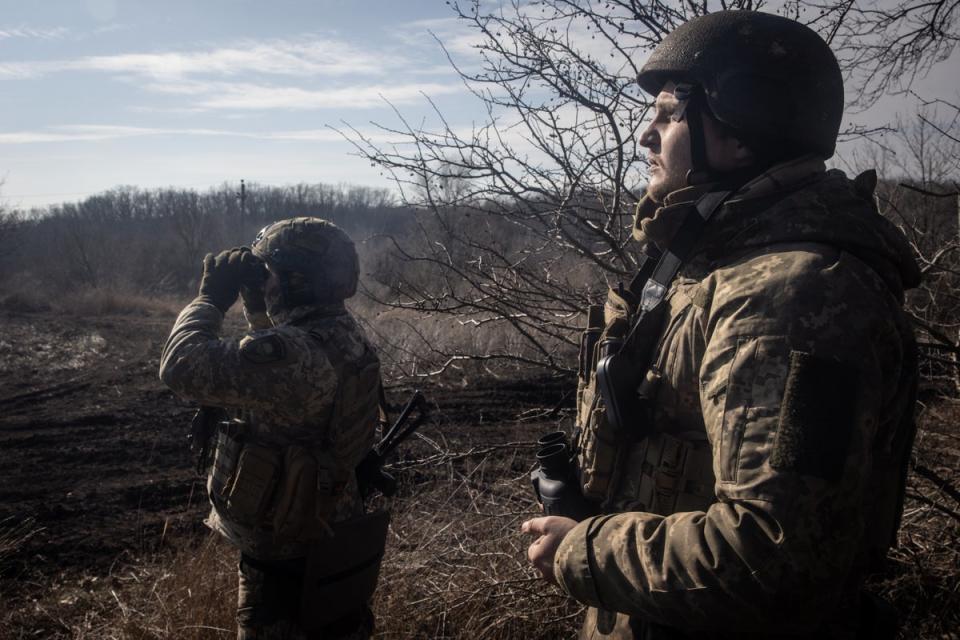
column 667, row 138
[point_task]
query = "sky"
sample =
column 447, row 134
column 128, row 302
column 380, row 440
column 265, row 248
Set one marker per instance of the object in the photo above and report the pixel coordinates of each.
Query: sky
column 100, row 93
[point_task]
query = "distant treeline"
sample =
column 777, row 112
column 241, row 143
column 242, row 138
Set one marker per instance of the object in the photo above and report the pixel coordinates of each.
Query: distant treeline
column 523, row 270
column 152, row 241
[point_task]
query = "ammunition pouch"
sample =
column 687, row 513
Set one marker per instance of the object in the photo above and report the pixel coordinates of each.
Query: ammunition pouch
column 667, row 475
column 343, row 570
column 615, row 401
column 289, row 490
column 251, row 488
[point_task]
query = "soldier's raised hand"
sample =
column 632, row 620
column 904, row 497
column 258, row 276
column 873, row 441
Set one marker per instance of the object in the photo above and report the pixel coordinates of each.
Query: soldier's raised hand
column 221, row 278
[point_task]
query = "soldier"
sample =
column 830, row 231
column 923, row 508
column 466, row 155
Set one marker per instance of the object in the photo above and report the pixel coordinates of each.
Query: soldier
column 304, row 382
column 752, row 473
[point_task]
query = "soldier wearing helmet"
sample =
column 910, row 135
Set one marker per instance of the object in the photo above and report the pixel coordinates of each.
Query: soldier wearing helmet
column 303, row 385
column 745, row 420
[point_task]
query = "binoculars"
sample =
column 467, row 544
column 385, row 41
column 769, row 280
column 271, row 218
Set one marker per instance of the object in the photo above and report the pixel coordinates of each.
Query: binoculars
column 555, row 481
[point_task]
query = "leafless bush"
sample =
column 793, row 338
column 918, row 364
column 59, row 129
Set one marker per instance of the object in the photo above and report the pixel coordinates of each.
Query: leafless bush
column 525, row 218
column 921, row 195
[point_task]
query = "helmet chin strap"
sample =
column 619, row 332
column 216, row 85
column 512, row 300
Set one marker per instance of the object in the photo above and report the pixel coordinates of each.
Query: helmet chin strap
column 691, row 96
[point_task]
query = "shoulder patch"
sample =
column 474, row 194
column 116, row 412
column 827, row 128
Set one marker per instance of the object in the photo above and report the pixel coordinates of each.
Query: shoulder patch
column 263, row 349
column 817, row 417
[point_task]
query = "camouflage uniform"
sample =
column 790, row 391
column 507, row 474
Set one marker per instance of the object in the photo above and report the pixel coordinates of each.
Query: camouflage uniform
column 782, row 423
column 298, row 386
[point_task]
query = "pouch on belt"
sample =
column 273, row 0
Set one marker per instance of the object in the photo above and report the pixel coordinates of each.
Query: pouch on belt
column 251, row 488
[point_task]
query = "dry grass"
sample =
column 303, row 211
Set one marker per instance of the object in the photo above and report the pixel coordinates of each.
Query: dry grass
column 923, row 580
column 102, row 301
column 416, row 344
column 455, row 566
column 188, row 594
column 14, row 532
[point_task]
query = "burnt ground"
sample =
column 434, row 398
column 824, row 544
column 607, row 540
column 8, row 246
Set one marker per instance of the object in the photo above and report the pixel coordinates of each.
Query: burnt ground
column 95, row 462
column 95, row 471
column 94, row 450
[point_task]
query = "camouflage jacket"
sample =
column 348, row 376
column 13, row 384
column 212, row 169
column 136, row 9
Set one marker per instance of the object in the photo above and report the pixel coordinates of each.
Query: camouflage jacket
column 785, row 354
column 293, row 384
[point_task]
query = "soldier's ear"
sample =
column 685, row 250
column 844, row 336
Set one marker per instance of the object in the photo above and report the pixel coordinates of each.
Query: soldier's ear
column 725, row 150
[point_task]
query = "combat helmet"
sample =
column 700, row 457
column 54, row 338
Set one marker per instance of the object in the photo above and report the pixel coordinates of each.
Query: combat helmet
column 769, row 78
column 315, row 259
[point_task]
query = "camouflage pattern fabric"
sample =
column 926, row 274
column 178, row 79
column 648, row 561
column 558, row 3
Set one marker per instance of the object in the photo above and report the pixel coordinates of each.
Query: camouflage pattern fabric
column 787, row 355
column 296, row 385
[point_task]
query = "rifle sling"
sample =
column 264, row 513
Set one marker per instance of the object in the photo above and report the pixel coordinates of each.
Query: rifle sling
column 656, row 285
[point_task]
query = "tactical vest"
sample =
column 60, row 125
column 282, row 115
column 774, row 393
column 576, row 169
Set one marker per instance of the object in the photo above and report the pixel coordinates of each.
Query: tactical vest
column 673, row 471
column 641, row 468
column 271, row 498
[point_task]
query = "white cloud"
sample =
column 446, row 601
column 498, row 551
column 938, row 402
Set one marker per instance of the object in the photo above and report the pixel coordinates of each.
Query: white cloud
column 27, row 32
column 252, row 96
column 297, row 58
column 236, row 77
column 97, row 133
column 305, row 56
column 17, row 70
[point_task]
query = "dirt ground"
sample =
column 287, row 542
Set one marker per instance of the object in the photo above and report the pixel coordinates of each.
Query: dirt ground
column 96, row 470
column 95, row 459
column 96, row 466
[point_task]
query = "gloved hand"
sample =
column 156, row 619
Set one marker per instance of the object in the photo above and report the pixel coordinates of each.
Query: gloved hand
column 221, row 278
column 253, row 277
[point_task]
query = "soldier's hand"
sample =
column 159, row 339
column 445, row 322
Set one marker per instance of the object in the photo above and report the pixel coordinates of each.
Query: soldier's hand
column 551, row 530
column 221, row 278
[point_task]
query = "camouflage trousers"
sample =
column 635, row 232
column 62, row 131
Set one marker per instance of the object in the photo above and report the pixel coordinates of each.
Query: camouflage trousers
column 269, row 604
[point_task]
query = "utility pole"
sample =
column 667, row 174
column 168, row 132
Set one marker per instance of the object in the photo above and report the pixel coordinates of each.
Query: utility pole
column 243, row 205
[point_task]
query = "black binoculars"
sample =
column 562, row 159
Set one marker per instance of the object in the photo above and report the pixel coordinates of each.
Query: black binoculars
column 555, row 481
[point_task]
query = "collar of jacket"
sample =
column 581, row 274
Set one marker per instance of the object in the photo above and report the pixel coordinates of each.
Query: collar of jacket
column 307, row 312
column 657, row 223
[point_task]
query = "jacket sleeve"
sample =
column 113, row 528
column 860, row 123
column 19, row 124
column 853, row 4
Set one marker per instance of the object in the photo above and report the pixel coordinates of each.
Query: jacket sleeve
column 268, row 369
column 790, row 391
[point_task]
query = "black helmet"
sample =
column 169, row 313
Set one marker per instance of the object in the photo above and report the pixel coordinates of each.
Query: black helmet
column 769, row 78
column 312, row 254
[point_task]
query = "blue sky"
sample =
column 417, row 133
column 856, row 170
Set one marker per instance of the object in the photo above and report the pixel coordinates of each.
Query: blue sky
column 100, row 93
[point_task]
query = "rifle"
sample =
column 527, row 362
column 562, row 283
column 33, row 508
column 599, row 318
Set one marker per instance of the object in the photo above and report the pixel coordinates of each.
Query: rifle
column 202, row 429
column 370, row 473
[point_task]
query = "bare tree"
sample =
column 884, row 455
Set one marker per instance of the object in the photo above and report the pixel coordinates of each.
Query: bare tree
column 885, row 46
column 926, row 205
column 525, row 218
column 8, row 225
